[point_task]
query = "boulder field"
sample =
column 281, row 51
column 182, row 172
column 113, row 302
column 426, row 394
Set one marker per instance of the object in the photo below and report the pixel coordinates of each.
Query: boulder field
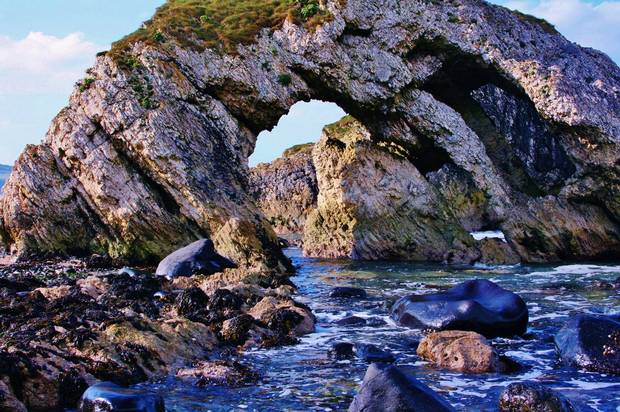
column 495, row 120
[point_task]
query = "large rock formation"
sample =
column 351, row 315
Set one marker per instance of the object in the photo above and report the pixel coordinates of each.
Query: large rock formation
column 286, row 189
column 151, row 152
column 375, row 204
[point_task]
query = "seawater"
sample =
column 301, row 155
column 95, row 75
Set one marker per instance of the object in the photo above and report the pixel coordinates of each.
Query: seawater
column 304, row 378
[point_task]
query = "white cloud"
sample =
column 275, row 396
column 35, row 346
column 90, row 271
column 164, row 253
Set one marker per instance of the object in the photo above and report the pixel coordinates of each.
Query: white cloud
column 41, row 63
column 589, row 24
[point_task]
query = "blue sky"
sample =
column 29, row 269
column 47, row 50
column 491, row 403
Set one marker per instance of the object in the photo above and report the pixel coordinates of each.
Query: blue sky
column 45, row 46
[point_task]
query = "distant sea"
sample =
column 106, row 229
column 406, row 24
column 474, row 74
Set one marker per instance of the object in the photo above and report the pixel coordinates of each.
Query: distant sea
column 5, row 171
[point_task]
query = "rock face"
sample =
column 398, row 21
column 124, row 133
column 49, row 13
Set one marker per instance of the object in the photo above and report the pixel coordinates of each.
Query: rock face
column 392, row 389
column 476, row 305
column 591, row 343
column 286, row 189
column 374, row 204
column 151, row 152
column 199, row 258
column 531, row 397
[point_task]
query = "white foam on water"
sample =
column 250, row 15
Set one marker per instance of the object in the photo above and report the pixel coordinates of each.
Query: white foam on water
column 585, row 385
column 589, row 270
column 489, row 234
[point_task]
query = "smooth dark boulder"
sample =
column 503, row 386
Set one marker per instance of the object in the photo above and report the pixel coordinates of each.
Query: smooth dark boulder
column 388, row 388
column 109, row 397
column 371, row 353
column 199, row 257
column 590, row 342
column 348, row 293
column 518, row 397
column 476, row 305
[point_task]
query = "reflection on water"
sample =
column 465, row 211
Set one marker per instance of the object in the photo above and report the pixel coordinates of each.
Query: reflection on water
column 303, row 378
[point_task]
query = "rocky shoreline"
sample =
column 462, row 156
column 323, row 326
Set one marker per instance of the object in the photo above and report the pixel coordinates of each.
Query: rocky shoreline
column 67, row 325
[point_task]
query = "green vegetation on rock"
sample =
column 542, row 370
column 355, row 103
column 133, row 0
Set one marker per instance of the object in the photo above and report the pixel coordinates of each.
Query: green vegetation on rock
column 542, row 23
column 293, row 150
column 219, row 24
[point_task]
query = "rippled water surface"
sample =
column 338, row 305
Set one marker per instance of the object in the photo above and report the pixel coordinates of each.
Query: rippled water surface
column 303, row 378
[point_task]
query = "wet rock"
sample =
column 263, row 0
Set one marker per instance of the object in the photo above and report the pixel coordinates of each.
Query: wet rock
column 590, row 342
column 235, row 331
column 351, row 321
column 477, row 305
column 518, row 397
column 394, row 389
column 199, row 257
column 372, row 353
column 283, row 316
column 224, row 299
column 347, row 292
column 191, row 301
column 342, row 350
column 8, row 401
column 229, row 373
column 71, row 386
column 107, row 396
column 602, row 285
column 467, row 352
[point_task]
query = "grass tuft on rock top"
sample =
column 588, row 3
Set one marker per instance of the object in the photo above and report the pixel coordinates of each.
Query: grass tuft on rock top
column 219, row 24
column 298, row 148
column 542, row 23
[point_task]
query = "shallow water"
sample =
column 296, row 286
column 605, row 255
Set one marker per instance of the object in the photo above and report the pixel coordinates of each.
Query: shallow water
column 303, row 378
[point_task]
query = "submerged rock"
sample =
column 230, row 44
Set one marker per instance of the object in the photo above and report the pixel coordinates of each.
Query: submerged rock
column 347, row 292
column 107, row 396
column 459, row 351
column 342, row 350
column 372, row 353
column 219, row 373
column 394, row 389
column 476, row 305
column 519, row 397
column 198, row 258
column 590, row 342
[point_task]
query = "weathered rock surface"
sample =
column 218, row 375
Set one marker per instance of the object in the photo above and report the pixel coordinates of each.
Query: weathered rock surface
column 467, row 352
column 374, row 204
column 393, row 389
column 151, row 152
column 198, row 258
column 107, row 396
column 590, row 342
column 476, row 305
column 286, row 190
column 518, row 397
